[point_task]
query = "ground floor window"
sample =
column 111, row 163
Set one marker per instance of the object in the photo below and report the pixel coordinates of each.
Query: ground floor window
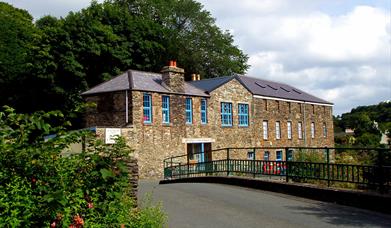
column 266, row 156
column 250, row 155
column 278, row 155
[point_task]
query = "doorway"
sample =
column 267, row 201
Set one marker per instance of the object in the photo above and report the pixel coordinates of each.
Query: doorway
column 199, row 152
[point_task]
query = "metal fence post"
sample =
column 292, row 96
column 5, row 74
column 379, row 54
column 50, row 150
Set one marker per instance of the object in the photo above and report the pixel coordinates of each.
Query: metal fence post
column 227, row 161
column 286, row 164
column 381, row 171
column 188, row 165
column 171, row 168
column 328, row 166
column 254, row 171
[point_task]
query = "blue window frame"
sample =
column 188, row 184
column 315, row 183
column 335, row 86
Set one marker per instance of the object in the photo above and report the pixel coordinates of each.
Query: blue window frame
column 189, row 111
column 278, row 155
column 226, row 114
column 166, row 109
column 204, row 116
column 147, row 105
column 243, row 115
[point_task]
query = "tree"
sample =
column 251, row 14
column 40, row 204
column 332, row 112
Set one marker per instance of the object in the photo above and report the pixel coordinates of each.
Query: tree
column 66, row 56
column 16, row 40
column 192, row 36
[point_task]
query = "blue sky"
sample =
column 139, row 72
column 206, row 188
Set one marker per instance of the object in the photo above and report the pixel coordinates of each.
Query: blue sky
column 337, row 50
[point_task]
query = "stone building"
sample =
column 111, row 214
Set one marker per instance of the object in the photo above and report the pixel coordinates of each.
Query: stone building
column 162, row 115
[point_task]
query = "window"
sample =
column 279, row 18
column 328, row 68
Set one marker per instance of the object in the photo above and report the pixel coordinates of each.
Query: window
column 166, row 109
column 300, row 130
column 324, row 130
column 265, row 103
column 300, row 108
column 290, row 155
column 204, row 117
column 278, row 105
column 312, row 130
column 279, row 155
column 290, row 107
column 265, row 136
column 266, row 156
column 147, row 106
column 243, row 115
column 278, row 130
column 289, row 128
column 226, row 114
column 189, row 111
column 313, row 109
column 250, row 155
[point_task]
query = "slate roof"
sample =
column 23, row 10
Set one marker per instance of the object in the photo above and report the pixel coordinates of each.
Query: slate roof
column 260, row 87
column 140, row 81
column 146, row 81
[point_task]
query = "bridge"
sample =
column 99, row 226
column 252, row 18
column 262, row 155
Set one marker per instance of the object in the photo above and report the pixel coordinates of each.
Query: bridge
column 191, row 203
column 215, row 205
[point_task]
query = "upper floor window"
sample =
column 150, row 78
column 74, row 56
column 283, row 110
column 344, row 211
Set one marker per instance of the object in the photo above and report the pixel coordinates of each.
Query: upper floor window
column 189, row 111
column 312, row 130
column 289, row 128
column 147, row 108
column 166, row 109
column 204, row 117
column 226, row 114
column 300, row 130
column 278, row 130
column 266, row 155
column 265, row 129
column 279, row 155
column 243, row 115
column 324, row 130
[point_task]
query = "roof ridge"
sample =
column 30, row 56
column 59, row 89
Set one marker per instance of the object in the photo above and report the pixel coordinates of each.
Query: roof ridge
column 144, row 72
column 207, row 79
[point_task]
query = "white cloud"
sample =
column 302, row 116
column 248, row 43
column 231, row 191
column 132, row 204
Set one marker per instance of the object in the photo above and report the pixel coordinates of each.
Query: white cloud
column 342, row 57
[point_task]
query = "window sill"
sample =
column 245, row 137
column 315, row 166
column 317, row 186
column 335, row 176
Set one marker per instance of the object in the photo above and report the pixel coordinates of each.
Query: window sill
column 226, row 126
column 243, row 126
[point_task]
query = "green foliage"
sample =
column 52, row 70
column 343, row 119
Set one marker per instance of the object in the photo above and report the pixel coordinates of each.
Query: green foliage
column 48, row 64
column 39, row 185
column 362, row 119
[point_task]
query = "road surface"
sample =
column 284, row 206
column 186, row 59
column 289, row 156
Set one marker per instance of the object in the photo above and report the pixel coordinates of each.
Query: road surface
column 214, row 205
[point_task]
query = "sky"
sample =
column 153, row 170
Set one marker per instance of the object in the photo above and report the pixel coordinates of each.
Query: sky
column 338, row 50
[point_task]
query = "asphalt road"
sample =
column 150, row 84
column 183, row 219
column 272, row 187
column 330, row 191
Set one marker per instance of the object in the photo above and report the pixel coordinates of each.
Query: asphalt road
column 213, row 205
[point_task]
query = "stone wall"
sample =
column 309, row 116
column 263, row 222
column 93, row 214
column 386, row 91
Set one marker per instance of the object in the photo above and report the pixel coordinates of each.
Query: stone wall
column 156, row 141
column 133, row 176
column 109, row 109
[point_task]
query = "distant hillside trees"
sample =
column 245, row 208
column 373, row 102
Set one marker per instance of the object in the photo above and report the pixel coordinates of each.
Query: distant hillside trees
column 368, row 123
column 47, row 64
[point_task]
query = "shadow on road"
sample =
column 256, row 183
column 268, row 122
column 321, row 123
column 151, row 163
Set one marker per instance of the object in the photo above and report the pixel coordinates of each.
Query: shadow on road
column 342, row 215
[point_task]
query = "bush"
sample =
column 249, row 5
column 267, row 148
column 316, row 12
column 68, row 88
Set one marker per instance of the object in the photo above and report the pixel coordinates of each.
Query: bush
column 41, row 187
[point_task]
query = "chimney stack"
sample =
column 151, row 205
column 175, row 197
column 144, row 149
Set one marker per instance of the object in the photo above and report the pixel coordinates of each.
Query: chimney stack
column 173, row 77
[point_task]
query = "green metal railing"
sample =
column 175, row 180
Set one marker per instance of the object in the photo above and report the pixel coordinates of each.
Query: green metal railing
column 373, row 176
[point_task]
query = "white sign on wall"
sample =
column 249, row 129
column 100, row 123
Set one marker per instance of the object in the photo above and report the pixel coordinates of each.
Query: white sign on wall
column 111, row 134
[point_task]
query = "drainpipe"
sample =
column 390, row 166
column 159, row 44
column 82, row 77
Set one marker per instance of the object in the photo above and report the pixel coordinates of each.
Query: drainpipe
column 126, row 107
column 305, row 125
